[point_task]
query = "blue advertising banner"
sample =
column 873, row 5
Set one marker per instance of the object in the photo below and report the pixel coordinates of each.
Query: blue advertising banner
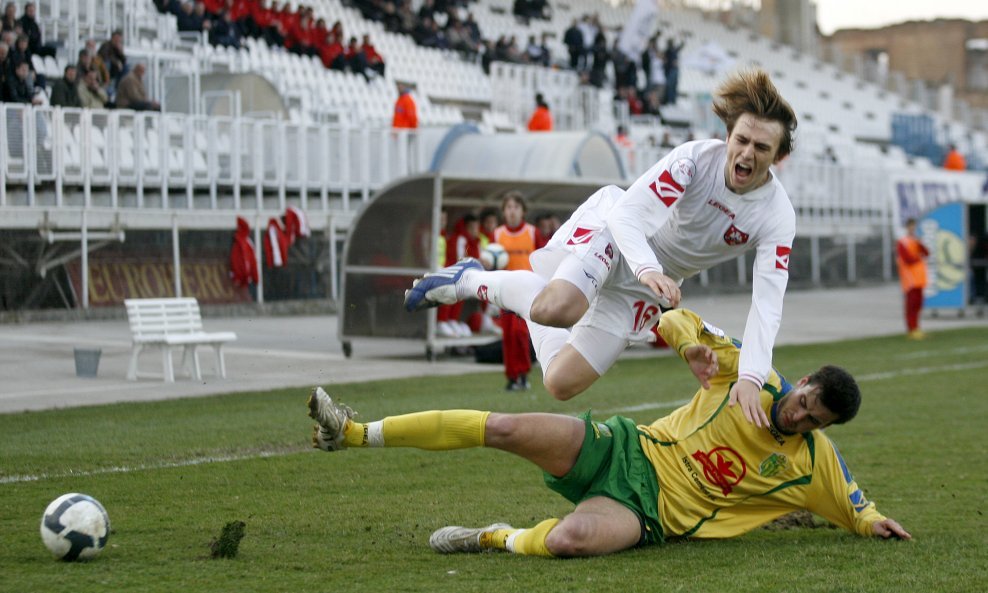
column 944, row 232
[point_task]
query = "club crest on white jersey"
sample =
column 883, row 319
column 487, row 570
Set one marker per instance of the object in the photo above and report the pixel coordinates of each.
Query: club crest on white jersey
column 682, row 171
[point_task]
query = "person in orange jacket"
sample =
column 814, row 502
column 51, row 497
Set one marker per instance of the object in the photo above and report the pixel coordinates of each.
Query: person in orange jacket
column 954, row 161
column 911, row 257
column 541, row 120
column 406, row 113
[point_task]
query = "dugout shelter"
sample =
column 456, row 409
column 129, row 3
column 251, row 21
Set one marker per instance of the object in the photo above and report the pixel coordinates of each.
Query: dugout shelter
column 394, row 239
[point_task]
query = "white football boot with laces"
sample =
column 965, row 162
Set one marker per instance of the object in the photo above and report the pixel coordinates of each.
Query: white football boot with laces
column 455, row 539
column 332, row 418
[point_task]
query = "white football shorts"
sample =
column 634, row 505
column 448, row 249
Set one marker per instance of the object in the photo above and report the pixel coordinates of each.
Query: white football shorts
column 622, row 310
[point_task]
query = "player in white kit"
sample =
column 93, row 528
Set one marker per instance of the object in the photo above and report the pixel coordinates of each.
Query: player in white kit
column 623, row 253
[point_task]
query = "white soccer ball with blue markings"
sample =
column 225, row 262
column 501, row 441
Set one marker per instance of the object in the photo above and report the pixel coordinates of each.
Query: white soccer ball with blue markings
column 75, row 527
column 494, row 257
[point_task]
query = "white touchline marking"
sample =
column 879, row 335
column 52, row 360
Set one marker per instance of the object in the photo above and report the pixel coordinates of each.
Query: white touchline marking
column 929, row 353
column 143, row 467
column 965, row 366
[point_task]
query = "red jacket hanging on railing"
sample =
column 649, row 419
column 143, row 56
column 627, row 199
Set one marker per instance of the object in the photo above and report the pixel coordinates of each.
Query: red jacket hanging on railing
column 275, row 245
column 296, row 224
column 243, row 258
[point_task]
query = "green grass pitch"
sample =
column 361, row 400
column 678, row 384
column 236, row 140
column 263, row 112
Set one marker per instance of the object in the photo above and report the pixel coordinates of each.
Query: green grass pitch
column 172, row 474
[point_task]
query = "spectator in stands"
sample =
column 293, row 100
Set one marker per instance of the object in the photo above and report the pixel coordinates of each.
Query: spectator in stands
column 214, row 8
column 18, row 88
column 540, row 9
column 573, row 40
column 954, row 160
column 533, row 51
column 21, row 52
column 506, row 49
column 65, row 92
column 92, row 95
column 538, row 52
column 625, row 68
column 406, row 114
column 355, row 60
column 487, row 57
column 224, row 32
column 29, row 25
column 10, row 22
column 331, row 53
column 191, row 17
column 541, row 120
column 113, row 56
column 97, row 62
column 670, row 66
column 317, row 37
column 298, row 40
column 458, row 36
column 522, row 10
column 269, row 21
column 391, row 18
column 427, row 10
column 589, row 27
column 84, row 63
column 131, row 93
column 652, row 102
column 374, row 60
column 473, row 29
column 601, row 56
column 653, row 68
column 4, row 65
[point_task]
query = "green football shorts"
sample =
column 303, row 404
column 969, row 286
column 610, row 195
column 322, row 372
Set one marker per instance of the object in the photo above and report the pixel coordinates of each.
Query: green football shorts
column 612, row 464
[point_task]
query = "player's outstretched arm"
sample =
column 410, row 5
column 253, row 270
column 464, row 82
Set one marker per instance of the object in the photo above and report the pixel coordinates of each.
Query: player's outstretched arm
column 702, row 362
column 889, row 528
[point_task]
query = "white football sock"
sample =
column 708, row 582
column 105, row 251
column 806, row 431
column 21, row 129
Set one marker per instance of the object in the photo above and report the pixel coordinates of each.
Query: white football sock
column 513, row 290
column 548, row 341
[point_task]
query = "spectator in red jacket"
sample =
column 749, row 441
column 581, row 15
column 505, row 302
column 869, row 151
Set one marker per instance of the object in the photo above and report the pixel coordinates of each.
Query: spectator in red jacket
column 331, row 53
column 374, row 60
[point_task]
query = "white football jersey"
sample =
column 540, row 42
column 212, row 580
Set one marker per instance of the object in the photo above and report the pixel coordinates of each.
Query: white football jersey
column 680, row 218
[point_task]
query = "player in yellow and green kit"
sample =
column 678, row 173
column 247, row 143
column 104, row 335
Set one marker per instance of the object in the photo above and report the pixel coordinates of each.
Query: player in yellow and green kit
column 703, row 471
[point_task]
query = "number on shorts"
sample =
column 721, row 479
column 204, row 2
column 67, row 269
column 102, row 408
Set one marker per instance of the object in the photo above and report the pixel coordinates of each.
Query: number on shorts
column 643, row 314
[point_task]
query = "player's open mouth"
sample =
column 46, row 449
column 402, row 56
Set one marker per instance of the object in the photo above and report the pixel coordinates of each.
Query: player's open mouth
column 742, row 172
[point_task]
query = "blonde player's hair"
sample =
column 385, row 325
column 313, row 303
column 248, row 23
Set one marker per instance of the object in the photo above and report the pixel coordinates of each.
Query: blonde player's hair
column 752, row 91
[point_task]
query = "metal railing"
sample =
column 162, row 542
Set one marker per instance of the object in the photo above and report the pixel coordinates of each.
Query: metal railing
column 128, row 159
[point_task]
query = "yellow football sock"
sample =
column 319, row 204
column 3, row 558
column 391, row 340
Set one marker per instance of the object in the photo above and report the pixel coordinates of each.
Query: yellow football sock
column 355, row 434
column 435, row 430
column 530, row 542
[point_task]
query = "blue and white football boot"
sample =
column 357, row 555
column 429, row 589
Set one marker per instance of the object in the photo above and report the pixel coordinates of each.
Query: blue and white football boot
column 439, row 287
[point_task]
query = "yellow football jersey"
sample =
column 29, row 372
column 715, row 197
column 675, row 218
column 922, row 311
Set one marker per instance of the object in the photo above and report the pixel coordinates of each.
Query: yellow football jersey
column 721, row 476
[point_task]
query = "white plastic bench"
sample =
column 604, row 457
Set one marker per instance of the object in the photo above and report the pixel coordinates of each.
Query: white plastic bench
column 164, row 323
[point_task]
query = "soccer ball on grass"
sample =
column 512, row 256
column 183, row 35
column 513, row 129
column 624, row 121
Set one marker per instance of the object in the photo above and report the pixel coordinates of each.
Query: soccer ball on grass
column 494, row 257
column 75, row 527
